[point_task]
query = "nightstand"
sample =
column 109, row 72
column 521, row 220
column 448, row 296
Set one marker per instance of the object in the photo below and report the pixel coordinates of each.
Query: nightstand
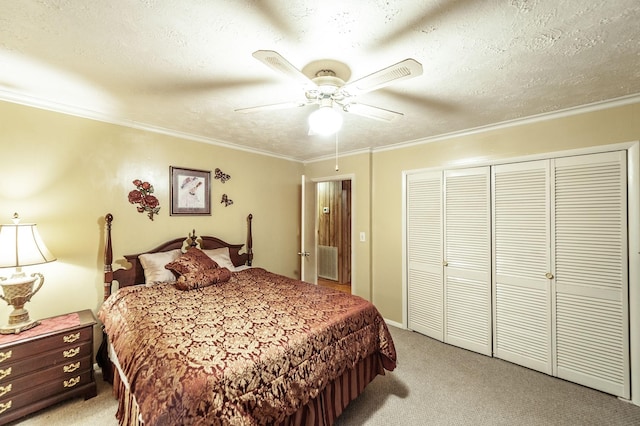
column 46, row 364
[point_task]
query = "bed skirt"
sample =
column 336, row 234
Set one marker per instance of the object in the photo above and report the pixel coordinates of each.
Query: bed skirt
column 323, row 410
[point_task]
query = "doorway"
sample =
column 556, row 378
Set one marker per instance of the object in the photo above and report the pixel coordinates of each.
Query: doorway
column 333, row 243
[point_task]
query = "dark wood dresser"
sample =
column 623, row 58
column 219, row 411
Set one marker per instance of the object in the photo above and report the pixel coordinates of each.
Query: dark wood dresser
column 47, row 364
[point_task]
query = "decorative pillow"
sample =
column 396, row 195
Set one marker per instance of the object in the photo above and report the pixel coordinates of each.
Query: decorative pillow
column 193, row 260
column 153, row 266
column 203, row 278
column 221, row 257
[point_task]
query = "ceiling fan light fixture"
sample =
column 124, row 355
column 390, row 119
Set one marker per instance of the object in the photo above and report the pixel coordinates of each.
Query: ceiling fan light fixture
column 325, row 120
column 325, row 83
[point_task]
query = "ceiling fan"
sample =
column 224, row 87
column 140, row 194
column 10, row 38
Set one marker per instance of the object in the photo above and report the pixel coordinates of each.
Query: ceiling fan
column 324, row 84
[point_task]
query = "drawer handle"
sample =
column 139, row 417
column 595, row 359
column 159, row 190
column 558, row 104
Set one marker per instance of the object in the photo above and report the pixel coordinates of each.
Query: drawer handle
column 4, row 407
column 5, row 389
column 5, row 355
column 71, row 352
column 71, row 367
column 71, row 382
column 5, row 373
column 71, row 338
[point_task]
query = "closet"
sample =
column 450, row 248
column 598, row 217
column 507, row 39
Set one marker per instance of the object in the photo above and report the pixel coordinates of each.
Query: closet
column 561, row 284
column 449, row 257
column 527, row 262
column 425, row 272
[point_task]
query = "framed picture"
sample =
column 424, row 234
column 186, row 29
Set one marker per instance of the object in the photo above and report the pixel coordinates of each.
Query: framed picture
column 190, row 191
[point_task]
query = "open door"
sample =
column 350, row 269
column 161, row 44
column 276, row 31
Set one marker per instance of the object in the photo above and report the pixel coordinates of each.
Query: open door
column 307, row 253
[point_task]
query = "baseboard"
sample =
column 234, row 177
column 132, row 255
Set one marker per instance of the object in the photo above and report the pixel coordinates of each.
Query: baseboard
column 394, row 324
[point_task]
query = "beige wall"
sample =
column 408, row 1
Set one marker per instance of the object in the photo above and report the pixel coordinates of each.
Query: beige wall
column 616, row 125
column 65, row 173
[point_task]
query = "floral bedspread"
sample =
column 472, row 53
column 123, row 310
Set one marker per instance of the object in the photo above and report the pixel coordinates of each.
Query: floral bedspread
column 251, row 350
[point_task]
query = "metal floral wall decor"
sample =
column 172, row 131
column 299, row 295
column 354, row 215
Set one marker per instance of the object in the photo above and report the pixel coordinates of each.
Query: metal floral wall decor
column 143, row 198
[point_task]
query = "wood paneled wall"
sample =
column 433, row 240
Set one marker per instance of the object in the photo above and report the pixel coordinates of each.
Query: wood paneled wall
column 334, row 222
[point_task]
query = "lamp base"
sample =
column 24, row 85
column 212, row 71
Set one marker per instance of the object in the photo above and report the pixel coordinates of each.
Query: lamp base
column 18, row 290
column 19, row 327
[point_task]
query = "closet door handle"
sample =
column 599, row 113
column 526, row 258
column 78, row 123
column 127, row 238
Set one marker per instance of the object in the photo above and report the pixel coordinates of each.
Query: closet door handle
column 549, row 275
column 445, row 263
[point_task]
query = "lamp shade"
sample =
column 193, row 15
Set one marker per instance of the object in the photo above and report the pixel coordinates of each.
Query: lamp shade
column 21, row 245
column 325, row 120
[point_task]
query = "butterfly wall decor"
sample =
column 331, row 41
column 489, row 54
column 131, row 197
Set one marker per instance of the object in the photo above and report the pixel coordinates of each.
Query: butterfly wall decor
column 222, row 176
column 226, row 200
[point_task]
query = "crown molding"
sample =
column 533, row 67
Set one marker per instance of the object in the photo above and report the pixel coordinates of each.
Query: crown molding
column 31, row 101
column 76, row 111
column 340, row 155
column 581, row 109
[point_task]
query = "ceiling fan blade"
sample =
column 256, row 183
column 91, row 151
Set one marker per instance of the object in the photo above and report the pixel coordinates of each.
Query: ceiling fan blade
column 432, row 16
column 403, row 70
column 281, row 105
column 369, row 111
column 279, row 21
column 201, row 85
column 426, row 103
column 279, row 63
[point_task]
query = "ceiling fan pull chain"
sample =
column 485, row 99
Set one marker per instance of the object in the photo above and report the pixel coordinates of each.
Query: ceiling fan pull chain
column 337, row 168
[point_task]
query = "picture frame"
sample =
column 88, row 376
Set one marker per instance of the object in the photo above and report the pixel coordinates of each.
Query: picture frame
column 190, row 191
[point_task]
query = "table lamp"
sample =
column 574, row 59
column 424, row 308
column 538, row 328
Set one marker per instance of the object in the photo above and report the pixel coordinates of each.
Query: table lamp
column 21, row 245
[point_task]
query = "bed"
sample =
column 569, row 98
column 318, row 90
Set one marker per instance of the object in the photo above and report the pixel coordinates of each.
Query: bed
column 250, row 347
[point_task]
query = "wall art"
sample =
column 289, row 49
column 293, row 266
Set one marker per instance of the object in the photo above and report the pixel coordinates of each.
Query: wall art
column 190, row 191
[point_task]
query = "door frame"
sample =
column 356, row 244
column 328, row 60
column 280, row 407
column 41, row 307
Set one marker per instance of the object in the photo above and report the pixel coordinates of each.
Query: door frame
column 350, row 177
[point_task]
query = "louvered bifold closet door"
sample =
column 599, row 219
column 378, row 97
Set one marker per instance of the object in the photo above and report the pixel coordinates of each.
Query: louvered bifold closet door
column 591, row 275
column 424, row 254
column 467, row 256
column 521, row 246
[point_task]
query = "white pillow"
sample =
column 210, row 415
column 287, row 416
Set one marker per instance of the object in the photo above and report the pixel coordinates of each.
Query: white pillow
column 153, row 266
column 221, row 257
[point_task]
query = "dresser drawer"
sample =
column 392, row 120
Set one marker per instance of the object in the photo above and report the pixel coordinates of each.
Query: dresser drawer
column 60, row 356
column 9, row 353
column 46, row 365
column 13, row 384
column 9, row 403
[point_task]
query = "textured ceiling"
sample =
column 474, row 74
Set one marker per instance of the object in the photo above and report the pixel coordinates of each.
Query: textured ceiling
column 184, row 66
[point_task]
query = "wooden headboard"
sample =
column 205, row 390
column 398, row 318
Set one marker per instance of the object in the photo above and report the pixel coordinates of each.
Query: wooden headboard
column 135, row 274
